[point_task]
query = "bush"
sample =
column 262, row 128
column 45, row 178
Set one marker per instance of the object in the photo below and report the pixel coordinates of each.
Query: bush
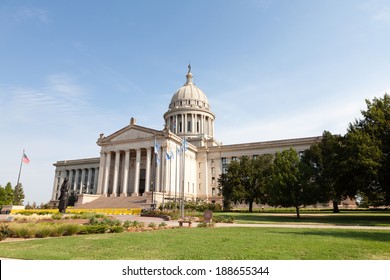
column 5, row 231
column 162, row 225
column 204, row 225
column 93, row 229
column 71, row 229
column 58, row 230
column 127, row 224
column 117, row 229
column 134, row 224
column 152, row 225
column 23, row 230
column 222, row 219
column 41, row 231
column 57, row 216
column 105, row 221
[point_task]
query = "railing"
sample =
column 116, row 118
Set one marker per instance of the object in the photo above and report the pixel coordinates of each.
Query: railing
column 70, row 210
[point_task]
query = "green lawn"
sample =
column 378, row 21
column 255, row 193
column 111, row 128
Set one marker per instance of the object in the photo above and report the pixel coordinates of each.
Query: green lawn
column 210, row 244
column 353, row 218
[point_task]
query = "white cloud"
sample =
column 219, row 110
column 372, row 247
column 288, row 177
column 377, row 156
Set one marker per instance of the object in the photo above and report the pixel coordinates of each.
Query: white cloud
column 383, row 15
column 19, row 14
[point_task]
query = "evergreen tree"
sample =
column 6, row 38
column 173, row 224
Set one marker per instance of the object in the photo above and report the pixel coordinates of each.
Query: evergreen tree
column 18, row 195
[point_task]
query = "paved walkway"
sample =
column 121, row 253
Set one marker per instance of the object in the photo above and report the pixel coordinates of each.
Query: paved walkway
column 148, row 220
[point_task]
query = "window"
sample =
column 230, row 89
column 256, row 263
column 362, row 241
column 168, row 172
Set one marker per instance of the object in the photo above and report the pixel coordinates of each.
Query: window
column 200, row 175
column 200, row 165
column 224, row 165
column 212, row 170
column 189, row 126
column 213, row 192
column 213, row 180
column 234, row 158
column 212, row 162
column 255, row 157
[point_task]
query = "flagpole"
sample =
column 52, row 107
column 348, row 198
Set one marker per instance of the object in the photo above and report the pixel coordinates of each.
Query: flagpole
column 20, row 168
column 183, row 178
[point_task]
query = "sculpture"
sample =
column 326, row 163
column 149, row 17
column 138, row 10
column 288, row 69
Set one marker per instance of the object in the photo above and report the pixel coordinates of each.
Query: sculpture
column 63, row 196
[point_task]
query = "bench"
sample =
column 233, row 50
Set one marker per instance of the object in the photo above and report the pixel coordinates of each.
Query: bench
column 183, row 222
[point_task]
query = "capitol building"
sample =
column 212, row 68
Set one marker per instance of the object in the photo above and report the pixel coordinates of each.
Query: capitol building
column 183, row 160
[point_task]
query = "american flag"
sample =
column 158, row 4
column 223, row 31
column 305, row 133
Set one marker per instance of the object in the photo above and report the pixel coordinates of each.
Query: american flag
column 25, row 159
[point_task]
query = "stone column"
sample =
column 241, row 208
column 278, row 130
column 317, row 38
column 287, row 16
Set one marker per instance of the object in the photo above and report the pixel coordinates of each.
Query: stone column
column 137, row 171
column 70, row 178
column 202, row 124
column 100, row 180
column 193, row 123
column 95, row 180
column 147, row 175
column 89, row 180
column 82, row 180
column 76, row 180
column 185, row 123
column 126, row 173
column 106, row 173
column 116, row 173
column 55, row 189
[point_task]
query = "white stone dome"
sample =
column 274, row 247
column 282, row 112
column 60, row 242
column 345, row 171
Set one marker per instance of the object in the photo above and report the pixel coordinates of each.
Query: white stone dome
column 189, row 95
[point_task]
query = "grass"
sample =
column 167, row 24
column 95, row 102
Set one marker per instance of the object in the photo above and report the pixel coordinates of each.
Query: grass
column 210, row 244
column 326, row 218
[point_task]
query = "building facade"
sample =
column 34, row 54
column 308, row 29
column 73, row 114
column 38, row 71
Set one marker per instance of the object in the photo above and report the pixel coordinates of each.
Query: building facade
column 184, row 160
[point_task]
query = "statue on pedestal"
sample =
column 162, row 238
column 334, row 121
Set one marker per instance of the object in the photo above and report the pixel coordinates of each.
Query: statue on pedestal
column 63, row 196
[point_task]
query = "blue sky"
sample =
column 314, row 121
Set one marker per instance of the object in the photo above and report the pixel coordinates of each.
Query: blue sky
column 70, row 70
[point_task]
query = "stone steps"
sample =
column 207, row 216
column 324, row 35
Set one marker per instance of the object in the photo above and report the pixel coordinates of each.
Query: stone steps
column 115, row 202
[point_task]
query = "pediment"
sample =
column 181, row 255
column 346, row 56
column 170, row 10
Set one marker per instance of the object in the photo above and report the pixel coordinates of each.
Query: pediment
column 131, row 133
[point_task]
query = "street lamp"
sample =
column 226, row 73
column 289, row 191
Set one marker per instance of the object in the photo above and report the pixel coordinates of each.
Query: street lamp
column 152, row 188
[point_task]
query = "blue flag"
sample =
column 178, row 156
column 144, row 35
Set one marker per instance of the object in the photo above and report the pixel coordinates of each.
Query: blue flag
column 158, row 160
column 156, row 147
column 184, row 145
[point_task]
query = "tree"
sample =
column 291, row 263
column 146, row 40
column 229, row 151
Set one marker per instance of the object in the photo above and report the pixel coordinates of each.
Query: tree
column 245, row 181
column 288, row 188
column 369, row 148
column 18, row 196
column 72, row 199
column 6, row 195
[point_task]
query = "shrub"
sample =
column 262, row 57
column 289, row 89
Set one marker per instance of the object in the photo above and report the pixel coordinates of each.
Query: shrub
column 41, row 231
column 152, row 225
column 93, row 229
column 117, row 229
column 71, row 229
column 58, row 230
column 5, row 231
column 162, row 225
column 105, row 221
column 135, row 224
column 127, row 224
column 204, row 225
column 57, row 216
column 23, row 230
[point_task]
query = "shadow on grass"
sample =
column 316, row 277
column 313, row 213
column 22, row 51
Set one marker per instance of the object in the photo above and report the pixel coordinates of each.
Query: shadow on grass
column 339, row 219
column 379, row 236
